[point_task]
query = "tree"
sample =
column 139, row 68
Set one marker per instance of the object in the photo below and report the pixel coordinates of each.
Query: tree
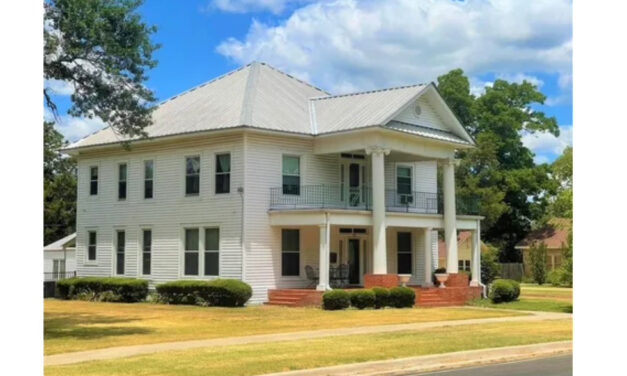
column 103, row 50
column 513, row 191
column 537, row 255
column 489, row 266
column 59, row 187
column 562, row 172
column 566, row 269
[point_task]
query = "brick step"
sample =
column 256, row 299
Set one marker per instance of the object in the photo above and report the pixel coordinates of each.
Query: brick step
column 297, row 294
column 280, row 303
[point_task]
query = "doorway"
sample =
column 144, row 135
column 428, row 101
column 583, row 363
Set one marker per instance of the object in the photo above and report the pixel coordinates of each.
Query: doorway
column 354, row 265
column 353, row 181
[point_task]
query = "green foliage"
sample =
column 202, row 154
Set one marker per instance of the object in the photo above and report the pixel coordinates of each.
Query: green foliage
column 381, row 297
column 554, row 277
column 217, row 292
column 363, row 298
column 562, row 170
column 504, row 290
column 563, row 276
column 110, row 289
column 402, row 297
column 537, row 255
column 513, row 191
column 335, row 300
column 59, row 187
column 103, row 49
column 489, row 265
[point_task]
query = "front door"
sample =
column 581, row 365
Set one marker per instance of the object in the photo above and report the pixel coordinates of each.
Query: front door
column 353, row 262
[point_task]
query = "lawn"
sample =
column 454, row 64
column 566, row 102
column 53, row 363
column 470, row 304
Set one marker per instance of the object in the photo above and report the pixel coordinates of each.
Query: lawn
column 536, row 298
column 78, row 325
column 282, row 356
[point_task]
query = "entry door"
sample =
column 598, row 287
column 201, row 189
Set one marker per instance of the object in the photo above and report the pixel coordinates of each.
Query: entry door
column 353, row 182
column 353, row 262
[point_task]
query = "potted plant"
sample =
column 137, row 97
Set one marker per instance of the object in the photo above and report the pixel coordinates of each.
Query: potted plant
column 403, row 279
column 441, row 276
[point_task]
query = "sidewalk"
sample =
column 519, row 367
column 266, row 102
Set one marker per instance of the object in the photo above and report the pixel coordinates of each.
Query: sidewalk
column 127, row 351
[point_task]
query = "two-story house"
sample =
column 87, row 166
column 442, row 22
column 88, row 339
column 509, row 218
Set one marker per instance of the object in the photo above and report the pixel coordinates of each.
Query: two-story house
column 259, row 176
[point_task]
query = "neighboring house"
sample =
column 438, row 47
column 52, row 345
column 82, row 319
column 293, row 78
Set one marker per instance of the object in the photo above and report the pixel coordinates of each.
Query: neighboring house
column 555, row 235
column 60, row 258
column 464, row 251
column 256, row 175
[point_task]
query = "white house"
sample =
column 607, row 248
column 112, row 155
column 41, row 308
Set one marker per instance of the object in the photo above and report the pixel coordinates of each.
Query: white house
column 60, row 258
column 258, row 176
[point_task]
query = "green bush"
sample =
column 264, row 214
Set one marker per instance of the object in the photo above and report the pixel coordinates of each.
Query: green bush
column 489, row 265
column 402, row 297
column 106, row 289
column 381, row 297
column 335, row 300
column 537, row 255
column 504, row 290
column 217, row 292
column 555, row 277
column 361, row 299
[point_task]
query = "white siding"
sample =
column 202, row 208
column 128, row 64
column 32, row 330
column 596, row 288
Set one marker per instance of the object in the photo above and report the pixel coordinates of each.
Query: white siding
column 424, row 179
column 69, row 256
column 428, row 116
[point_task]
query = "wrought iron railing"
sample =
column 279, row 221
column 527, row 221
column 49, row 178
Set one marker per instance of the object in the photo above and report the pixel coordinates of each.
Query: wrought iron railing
column 323, row 196
column 55, row 276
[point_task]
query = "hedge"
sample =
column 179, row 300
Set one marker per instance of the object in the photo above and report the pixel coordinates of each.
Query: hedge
column 217, row 292
column 504, row 290
column 361, row 299
column 402, row 297
column 381, row 297
column 108, row 289
column 335, row 300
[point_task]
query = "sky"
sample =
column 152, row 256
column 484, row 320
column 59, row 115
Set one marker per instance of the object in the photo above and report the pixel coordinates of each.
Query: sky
column 347, row 45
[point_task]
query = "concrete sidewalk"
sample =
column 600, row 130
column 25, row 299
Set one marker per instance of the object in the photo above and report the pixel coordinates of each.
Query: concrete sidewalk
column 127, row 351
column 437, row 362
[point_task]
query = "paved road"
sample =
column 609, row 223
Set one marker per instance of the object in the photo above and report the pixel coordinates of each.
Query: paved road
column 561, row 365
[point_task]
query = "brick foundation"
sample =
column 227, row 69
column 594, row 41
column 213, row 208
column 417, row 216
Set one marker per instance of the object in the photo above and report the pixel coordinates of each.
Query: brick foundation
column 457, row 280
column 381, row 280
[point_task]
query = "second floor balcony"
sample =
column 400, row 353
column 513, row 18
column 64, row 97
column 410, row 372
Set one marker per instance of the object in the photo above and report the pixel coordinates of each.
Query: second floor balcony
column 329, row 196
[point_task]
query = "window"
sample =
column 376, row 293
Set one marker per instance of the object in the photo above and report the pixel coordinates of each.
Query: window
column 122, row 181
column 212, row 251
column 192, row 175
column 91, row 245
column 403, row 247
column 58, row 269
column 93, row 181
column 290, row 255
column 148, row 178
column 223, row 173
column 191, row 251
column 403, row 180
column 119, row 253
column 146, row 251
column 463, row 265
column 291, row 175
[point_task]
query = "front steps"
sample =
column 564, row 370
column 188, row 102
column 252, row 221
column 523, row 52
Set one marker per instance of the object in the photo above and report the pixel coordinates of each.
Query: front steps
column 294, row 297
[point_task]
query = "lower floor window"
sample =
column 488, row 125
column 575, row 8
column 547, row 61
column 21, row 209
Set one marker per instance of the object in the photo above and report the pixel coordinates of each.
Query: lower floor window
column 403, row 244
column 58, row 269
column 290, row 252
column 121, row 245
column 207, row 240
column 464, row 265
column 146, row 251
column 192, row 242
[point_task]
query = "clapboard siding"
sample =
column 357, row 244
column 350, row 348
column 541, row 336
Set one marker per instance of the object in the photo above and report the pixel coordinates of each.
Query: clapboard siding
column 424, row 178
column 428, row 116
column 166, row 214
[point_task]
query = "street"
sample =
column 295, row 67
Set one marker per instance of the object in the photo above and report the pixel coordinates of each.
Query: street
column 561, row 365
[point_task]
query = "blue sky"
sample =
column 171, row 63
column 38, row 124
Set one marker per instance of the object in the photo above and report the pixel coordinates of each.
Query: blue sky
column 349, row 45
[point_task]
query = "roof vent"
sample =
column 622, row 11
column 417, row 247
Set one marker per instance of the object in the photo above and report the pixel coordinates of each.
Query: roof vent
column 417, row 110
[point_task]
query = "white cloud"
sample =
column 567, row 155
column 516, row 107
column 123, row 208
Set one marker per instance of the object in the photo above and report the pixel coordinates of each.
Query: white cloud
column 59, row 87
column 545, row 143
column 520, row 77
column 246, row 6
column 539, row 159
column 346, row 44
column 74, row 128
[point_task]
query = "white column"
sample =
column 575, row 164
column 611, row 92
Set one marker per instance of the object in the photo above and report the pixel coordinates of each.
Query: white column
column 428, row 282
column 379, row 259
column 450, row 218
column 323, row 275
column 475, row 257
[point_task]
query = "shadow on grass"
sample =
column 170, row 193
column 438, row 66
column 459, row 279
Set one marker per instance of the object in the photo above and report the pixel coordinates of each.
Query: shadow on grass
column 81, row 326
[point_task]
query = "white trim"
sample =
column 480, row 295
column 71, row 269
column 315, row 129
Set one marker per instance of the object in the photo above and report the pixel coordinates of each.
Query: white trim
column 140, row 248
column 214, row 172
column 86, row 260
column 201, row 250
column 114, row 253
column 142, row 191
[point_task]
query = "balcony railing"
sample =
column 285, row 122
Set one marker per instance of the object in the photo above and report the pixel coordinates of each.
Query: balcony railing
column 329, row 196
column 55, row 276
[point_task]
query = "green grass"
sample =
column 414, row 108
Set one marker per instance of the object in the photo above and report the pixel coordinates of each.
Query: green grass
column 79, row 325
column 283, row 356
column 536, row 298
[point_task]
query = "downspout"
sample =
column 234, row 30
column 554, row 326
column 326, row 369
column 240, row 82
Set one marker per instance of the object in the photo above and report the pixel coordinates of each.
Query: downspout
column 241, row 192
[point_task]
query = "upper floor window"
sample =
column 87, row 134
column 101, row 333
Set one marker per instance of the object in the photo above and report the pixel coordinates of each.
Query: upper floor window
column 148, row 178
column 403, row 245
column 291, row 175
column 223, row 173
column 122, row 181
column 93, row 180
column 192, row 175
column 91, row 245
column 403, row 180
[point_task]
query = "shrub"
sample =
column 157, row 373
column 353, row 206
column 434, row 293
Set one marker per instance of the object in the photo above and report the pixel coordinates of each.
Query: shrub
column 336, row 299
column 402, row 297
column 381, row 297
column 361, row 299
column 217, row 292
column 555, row 277
column 503, row 290
column 516, row 287
column 537, row 254
column 489, row 265
column 107, row 289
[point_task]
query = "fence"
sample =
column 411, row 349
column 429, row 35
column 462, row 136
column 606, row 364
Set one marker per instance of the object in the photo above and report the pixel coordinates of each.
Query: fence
column 512, row 270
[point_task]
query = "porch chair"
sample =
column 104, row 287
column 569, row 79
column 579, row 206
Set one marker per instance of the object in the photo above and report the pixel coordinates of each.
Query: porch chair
column 311, row 275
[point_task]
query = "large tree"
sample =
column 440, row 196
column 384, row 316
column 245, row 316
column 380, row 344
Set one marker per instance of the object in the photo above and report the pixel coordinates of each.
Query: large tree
column 59, row 187
column 562, row 172
column 501, row 171
column 103, row 50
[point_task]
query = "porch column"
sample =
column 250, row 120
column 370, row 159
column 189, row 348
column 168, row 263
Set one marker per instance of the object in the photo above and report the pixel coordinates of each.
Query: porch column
column 379, row 259
column 450, row 225
column 475, row 257
column 428, row 251
column 323, row 275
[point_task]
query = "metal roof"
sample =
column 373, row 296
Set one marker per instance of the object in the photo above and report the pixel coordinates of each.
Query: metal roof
column 60, row 244
column 427, row 132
